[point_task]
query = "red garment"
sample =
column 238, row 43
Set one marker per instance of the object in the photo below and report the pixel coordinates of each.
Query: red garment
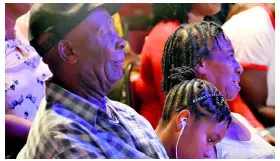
column 148, row 86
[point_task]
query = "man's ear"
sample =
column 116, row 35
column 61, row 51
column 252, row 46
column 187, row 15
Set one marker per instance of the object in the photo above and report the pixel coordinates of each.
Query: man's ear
column 66, row 52
column 200, row 67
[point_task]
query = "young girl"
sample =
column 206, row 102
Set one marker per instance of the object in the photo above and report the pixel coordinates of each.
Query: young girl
column 195, row 118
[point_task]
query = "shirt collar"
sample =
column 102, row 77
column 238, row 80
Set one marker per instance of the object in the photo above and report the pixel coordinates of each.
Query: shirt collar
column 76, row 104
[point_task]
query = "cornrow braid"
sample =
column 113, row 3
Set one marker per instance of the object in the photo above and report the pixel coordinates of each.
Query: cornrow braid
column 185, row 48
column 211, row 105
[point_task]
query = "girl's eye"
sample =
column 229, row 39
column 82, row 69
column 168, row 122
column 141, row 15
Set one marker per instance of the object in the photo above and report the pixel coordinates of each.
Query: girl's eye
column 211, row 140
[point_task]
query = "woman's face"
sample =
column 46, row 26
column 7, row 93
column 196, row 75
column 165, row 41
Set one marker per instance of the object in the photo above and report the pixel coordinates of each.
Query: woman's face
column 199, row 137
column 223, row 70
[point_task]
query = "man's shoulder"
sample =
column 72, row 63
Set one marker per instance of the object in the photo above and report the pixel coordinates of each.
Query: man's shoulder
column 51, row 115
column 123, row 108
column 55, row 113
column 54, row 131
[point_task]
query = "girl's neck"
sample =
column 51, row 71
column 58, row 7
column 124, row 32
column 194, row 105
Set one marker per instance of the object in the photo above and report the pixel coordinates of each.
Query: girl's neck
column 164, row 134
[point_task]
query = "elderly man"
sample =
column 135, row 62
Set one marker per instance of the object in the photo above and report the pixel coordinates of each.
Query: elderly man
column 76, row 119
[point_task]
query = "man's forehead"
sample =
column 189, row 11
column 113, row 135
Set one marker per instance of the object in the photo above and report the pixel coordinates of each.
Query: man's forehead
column 99, row 15
column 97, row 19
column 94, row 21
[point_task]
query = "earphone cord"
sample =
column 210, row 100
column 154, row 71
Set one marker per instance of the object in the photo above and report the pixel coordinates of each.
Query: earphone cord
column 181, row 132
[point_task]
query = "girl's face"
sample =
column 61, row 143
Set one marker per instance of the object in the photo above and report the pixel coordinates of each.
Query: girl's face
column 199, row 137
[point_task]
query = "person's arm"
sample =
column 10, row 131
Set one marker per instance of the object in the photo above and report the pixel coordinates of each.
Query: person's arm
column 16, row 127
column 254, row 93
column 16, row 133
column 268, row 137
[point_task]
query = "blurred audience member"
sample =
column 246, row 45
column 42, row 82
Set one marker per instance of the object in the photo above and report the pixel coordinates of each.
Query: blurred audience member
column 24, row 81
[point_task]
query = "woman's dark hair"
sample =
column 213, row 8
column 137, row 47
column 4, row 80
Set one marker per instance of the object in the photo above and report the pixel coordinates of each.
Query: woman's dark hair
column 171, row 11
column 201, row 98
column 184, row 50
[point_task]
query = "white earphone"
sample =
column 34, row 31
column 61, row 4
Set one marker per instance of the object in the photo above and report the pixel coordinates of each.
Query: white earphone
column 184, row 123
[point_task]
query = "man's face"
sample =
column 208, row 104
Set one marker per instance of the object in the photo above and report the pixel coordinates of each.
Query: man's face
column 223, row 70
column 199, row 137
column 103, row 54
